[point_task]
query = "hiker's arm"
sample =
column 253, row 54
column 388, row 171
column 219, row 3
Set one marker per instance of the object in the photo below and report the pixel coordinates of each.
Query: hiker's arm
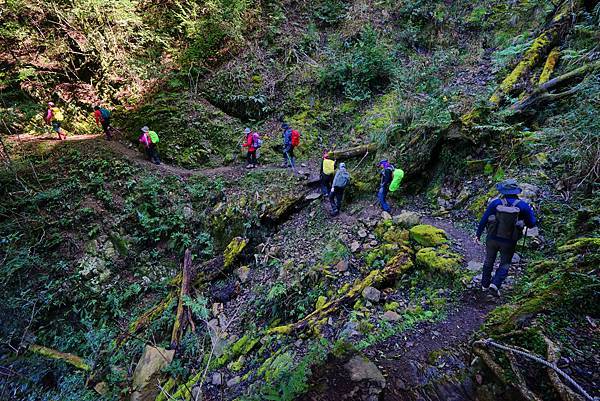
column 49, row 116
column 529, row 216
column 488, row 212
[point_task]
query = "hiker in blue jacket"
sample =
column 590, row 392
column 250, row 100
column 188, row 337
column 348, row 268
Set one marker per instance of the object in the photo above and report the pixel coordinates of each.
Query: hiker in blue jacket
column 387, row 175
column 504, row 218
column 288, row 148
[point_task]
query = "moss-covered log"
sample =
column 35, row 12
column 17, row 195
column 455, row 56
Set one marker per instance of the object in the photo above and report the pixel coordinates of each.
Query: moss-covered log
column 399, row 264
column 182, row 318
column 538, row 50
column 352, row 152
column 542, row 95
column 280, row 211
column 71, row 359
column 549, row 66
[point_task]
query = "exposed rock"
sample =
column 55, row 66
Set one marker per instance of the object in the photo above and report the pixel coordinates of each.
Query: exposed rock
column 516, row 258
column 530, row 192
column 362, row 233
column 188, row 211
column 234, row 381
column 101, row 388
column 153, row 359
column 391, row 316
column 313, row 196
column 197, row 393
column 217, row 309
column 474, row 266
column 242, row 273
column 349, row 330
column 360, row 368
column 386, row 216
column 407, row 219
column 438, row 260
column 354, row 246
column 371, row 294
column 427, row 235
column 342, row 265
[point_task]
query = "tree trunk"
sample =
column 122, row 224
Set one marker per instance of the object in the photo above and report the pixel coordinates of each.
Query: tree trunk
column 561, row 21
column 352, row 152
column 549, row 66
column 71, row 359
column 182, row 317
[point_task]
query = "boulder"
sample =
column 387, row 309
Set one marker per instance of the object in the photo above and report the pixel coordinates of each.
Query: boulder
column 342, row 266
column 474, row 266
column 371, row 294
column 362, row 233
column 361, row 368
column 438, row 260
column 427, row 235
column 234, row 381
column 386, row 216
column 354, row 246
column 407, row 219
column 242, row 273
column 153, row 359
column 391, row 316
column 349, row 330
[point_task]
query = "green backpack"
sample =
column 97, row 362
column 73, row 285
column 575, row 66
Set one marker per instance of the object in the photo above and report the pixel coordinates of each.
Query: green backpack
column 396, row 180
column 153, row 137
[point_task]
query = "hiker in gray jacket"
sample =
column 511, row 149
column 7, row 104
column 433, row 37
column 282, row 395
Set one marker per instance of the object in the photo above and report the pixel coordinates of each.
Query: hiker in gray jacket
column 340, row 182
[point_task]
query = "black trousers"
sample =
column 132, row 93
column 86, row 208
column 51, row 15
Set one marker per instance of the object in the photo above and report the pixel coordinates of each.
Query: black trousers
column 153, row 154
column 251, row 157
column 335, row 198
column 326, row 181
column 492, row 248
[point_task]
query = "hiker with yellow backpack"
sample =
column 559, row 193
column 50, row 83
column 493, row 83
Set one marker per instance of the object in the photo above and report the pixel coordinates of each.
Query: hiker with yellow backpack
column 55, row 117
column 327, row 172
column 150, row 139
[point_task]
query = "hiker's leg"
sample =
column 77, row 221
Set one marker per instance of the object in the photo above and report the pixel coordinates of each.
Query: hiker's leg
column 332, row 202
column 254, row 161
column 506, row 254
column 381, row 196
column 324, row 184
column 339, row 194
column 491, row 251
column 105, row 128
column 248, row 159
column 292, row 158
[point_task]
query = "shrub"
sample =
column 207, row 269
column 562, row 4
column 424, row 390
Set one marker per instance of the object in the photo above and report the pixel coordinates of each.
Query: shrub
column 360, row 68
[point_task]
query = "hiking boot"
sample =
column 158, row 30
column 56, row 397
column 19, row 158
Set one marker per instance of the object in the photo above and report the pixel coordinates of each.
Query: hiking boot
column 249, row 166
column 484, row 289
column 495, row 291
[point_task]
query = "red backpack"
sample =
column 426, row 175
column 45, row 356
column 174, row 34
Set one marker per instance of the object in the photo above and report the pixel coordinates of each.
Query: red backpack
column 295, row 138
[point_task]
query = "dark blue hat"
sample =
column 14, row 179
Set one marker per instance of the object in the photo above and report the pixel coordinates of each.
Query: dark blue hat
column 509, row 187
column 285, row 126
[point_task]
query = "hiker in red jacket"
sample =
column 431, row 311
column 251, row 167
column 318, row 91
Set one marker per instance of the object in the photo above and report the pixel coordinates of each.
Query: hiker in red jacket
column 253, row 142
column 102, row 116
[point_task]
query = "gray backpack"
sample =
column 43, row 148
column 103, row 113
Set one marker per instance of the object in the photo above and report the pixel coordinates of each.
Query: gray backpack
column 505, row 222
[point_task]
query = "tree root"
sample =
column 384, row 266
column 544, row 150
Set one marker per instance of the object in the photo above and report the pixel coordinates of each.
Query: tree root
column 566, row 394
column 522, row 385
column 376, row 278
column 183, row 316
column 71, row 359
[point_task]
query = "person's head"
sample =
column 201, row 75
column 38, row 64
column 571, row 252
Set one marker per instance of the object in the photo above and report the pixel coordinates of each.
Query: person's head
column 285, row 126
column 509, row 187
column 50, row 104
column 326, row 155
column 342, row 166
column 383, row 163
column 145, row 129
column 247, row 131
column 96, row 107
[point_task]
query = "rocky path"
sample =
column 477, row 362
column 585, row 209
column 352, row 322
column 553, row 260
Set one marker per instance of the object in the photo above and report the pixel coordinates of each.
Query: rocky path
column 426, row 363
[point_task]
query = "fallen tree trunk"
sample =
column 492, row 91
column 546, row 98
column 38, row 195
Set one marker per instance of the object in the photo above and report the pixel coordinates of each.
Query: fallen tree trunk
column 183, row 316
column 540, row 47
column 277, row 213
column 352, row 152
column 541, row 94
column 549, row 66
column 71, row 359
column 399, row 264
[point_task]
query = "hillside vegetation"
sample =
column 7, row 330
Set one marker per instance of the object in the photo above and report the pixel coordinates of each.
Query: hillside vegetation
column 200, row 280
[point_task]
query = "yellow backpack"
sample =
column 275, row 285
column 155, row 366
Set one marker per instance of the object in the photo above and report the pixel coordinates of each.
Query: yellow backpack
column 328, row 166
column 57, row 114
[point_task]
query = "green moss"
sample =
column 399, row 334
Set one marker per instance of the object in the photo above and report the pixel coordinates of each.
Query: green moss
column 391, row 306
column 320, row 302
column 427, row 235
column 233, row 250
column 581, row 245
column 438, row 260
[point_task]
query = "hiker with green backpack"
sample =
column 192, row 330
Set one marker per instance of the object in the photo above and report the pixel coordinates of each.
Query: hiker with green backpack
column 391, row 178
column 102, row 116
column 340, row 182
column 150, row 139
column 504, row 220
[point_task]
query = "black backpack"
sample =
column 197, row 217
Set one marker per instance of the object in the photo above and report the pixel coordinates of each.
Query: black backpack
column 505, row 222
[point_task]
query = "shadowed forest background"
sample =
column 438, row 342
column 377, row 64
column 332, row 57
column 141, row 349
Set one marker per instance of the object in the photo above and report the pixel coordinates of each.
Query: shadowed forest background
column 199, row 280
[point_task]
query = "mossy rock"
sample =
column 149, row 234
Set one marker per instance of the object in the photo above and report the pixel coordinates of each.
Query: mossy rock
column 233, row 250
column 382, row 252
column 428, row 236
column 439, row 260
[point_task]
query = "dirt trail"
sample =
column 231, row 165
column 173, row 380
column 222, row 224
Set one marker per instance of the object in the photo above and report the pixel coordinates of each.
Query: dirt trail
column 427, row 362
column 132, row 154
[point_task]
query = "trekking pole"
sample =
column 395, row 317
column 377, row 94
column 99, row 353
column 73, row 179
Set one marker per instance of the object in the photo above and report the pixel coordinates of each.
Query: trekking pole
column 291, row 164
column 524, row 239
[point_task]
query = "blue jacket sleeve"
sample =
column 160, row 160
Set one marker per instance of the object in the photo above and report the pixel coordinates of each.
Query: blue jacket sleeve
column 287, row 138
column 491, row 209
column 528, row 214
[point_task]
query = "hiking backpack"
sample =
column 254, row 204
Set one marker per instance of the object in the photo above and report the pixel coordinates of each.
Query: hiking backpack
column 342, row 180
column 397, row 177
column 256, row 140
column 505, row 222
column 295, row 138
column 105, row 113
column 328, row 166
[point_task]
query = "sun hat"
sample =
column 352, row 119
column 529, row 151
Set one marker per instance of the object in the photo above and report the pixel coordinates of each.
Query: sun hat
column 145, row 129
column 50, row 103
column 509, row 187
column 247, row 131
